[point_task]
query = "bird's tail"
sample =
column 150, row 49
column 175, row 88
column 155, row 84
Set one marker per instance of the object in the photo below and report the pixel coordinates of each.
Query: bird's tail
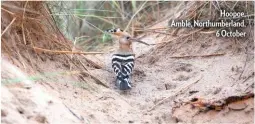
column 123, row 83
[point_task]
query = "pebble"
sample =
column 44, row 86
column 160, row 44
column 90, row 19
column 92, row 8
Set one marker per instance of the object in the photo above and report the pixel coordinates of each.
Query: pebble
column 237, row 106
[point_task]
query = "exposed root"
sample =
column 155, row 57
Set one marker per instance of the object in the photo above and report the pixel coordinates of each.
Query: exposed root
column 219, row 104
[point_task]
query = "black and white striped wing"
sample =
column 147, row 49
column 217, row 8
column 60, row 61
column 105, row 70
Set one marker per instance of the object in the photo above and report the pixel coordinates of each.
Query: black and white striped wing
column 123, row 64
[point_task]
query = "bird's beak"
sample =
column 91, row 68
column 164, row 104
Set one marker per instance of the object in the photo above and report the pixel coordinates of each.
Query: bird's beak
column 139, row 41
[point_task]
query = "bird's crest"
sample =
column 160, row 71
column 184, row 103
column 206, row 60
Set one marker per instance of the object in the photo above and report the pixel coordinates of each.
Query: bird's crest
column 114, row 30
column 118, row 32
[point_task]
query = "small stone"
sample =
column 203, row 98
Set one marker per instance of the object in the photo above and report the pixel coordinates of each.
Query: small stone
column 92, row 116
column 41, row 119
column 20, row 110
column 217, row 91
column 50, row 102
column 193, row 92
column 130, row 121
column 237, row 106
column 29, row 116
column 3, row 113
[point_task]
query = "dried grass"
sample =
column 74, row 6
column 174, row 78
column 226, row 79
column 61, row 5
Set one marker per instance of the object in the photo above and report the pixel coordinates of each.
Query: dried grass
column 27, row 27
column 204, row 10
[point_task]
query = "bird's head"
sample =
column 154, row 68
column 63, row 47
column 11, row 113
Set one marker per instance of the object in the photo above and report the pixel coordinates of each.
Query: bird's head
column 123, row 37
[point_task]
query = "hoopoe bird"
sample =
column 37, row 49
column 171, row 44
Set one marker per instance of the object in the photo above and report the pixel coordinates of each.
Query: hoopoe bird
column 123, row 58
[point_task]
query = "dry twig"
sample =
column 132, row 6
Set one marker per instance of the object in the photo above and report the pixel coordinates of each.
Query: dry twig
column 250, row 76
column 74, row 114
column 246, row 59
column 162, row 32
column 150, row 29
column 193, row 56
column 7, row 11
column 18, row 8
column 7, row 49
column 37, row 49
column 175, row 94
column 98, row 81
column 22, row 25
column 249, row 87
column 94, row 64
column 182, row 36
column 8, row 26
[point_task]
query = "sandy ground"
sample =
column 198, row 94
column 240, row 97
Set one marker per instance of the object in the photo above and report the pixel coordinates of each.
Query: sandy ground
column 163, row 84
column 73, row 98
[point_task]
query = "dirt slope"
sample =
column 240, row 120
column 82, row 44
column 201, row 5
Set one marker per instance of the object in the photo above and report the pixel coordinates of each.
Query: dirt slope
column 164, row 82
column 157, row 76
